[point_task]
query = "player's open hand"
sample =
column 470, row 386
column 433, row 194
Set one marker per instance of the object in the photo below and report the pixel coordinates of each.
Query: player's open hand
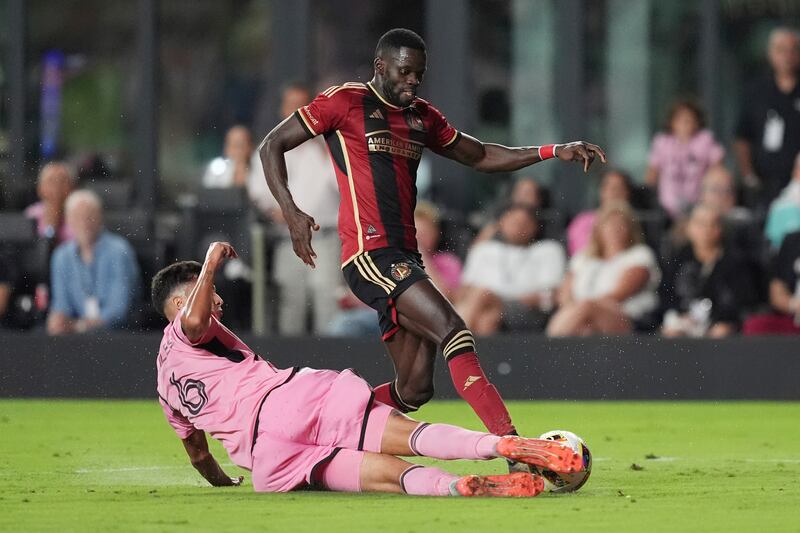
column 218, row 252
column 580, row 151
column 300, row 227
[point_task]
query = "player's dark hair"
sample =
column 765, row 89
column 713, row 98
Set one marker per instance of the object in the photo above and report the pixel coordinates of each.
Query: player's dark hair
column 399, row 38
column 168, row 279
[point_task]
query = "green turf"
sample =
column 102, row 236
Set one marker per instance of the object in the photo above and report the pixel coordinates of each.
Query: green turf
column 116, row 466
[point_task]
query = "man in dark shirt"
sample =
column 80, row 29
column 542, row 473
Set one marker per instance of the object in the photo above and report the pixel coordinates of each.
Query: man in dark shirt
column 768, row 133
column 376, row 132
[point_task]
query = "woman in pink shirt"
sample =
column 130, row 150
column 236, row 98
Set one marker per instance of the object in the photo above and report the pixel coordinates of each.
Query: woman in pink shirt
column 680, row 157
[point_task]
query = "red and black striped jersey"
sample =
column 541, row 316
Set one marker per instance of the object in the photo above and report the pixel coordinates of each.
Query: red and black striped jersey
column 376, row 148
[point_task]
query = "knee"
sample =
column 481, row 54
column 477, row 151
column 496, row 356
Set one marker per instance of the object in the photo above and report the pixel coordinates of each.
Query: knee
column 415, row 394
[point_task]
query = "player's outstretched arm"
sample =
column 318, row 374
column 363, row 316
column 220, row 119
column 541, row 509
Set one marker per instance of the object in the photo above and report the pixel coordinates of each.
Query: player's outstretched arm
column 196, row 316
column 490, row 157
column 285, row 136
column 197, row 448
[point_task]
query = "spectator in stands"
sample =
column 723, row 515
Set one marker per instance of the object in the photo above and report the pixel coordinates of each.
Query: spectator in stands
column 235, row 168
column 719, row 193
column 444, row 268
column 312, row 183
column 768, row 132
column 707, row 287
column 615, row 187
column 784, row 293
column 611, row 285
column 56, row 182
column 509, row 281
column 784, row 211
column 680, row 157
column 94, row 277
column 526, row 192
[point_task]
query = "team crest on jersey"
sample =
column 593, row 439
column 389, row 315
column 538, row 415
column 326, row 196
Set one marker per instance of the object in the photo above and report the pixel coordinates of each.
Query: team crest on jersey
column 413, row 120
column 400, row 271
column 191, row 392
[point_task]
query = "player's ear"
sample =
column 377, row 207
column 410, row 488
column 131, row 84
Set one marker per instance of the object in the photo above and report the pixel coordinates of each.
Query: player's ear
column 178, row 302
column 380, row 65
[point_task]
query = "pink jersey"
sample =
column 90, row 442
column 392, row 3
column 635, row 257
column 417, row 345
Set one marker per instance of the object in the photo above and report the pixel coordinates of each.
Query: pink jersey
column 217, row 385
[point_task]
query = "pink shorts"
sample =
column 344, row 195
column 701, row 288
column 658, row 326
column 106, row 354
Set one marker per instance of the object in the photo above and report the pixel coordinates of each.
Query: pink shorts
column 304, row 423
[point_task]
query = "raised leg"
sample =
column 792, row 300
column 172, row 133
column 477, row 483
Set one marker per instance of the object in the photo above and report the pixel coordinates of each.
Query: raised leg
column 424, row 311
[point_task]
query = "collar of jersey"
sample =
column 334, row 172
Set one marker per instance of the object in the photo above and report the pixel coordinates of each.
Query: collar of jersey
column 381, row 98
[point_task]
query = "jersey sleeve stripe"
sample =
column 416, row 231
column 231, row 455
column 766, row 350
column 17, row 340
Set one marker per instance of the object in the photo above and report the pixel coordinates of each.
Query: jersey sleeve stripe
column 304, row 122
column 453, row 139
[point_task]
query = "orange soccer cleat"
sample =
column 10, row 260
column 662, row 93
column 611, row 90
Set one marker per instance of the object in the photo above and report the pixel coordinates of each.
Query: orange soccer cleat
column 519, row 485
column 547, row 454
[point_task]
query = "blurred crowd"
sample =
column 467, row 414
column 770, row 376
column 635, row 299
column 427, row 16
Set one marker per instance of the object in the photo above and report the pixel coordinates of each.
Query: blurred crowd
column 705, row 244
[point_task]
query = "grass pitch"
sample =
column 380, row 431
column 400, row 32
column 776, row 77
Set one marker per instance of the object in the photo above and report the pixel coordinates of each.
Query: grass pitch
column 117, row 466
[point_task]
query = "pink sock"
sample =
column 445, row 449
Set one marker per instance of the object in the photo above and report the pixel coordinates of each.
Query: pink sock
column 343, row 472
column 421, row 480
column 443, row 441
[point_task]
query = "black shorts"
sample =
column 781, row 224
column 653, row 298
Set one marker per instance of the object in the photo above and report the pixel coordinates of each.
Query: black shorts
column 378, row 277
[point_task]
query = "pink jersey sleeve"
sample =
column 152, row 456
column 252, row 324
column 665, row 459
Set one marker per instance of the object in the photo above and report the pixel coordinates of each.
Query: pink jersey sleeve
column 440, row 133
column 327, row 112
column 176, row 326
column 179, row 423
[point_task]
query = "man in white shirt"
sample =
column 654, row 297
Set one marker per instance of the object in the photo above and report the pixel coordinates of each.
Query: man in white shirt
column 509, row 281
column 312, row 183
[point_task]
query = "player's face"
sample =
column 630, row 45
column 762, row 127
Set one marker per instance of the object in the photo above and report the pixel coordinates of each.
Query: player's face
column 216, row 305
column 402, row 72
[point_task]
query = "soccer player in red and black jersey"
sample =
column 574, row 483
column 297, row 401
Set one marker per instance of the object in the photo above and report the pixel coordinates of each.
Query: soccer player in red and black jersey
column 376, row 132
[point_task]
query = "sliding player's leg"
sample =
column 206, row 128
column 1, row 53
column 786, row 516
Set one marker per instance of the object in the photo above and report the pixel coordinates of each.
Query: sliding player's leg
column 354, row 471
column 406, row 437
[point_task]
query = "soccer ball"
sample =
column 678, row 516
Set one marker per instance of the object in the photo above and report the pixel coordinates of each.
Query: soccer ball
column 555, row 482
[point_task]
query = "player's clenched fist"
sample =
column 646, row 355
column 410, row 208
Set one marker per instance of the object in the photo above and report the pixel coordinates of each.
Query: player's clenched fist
column 580, row 151
column 219, row 251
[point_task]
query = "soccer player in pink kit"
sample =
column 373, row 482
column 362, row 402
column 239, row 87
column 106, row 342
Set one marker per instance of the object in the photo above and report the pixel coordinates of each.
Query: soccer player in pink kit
column 298, row 427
